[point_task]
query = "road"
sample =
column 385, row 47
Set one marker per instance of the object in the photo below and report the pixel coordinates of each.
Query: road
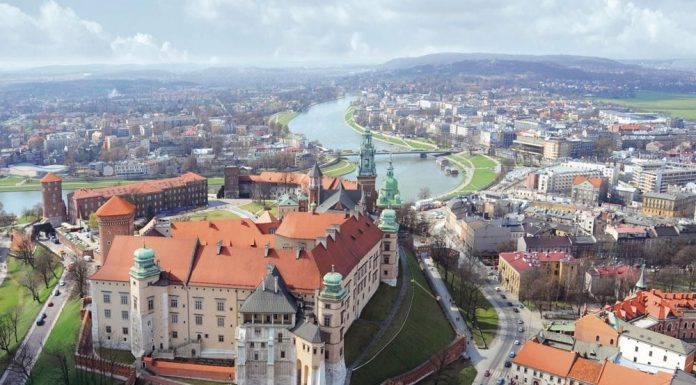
column 37, row 335
column 493, row 358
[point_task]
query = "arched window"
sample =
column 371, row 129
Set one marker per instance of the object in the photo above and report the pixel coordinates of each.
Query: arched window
column 669, row 327
column 596, row 338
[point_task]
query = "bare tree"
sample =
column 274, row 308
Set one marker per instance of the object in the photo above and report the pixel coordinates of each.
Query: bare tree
column 439, row 362
column 668, row 277
column 15, row 315
column 21, row 363
column 24, row 249
column 6, row 334
column 45, row 265
column 80, row 275
column 31, row 281
column 424, row 192
column 60, row 361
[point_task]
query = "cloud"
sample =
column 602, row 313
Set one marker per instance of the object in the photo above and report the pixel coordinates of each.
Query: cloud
column 58, row 35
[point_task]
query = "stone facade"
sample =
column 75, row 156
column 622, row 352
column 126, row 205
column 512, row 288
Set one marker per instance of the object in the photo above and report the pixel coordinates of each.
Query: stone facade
column 52, row 194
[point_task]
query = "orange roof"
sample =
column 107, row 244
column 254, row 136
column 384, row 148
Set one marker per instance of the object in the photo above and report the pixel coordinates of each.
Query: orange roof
column 299, row 179
column 613, row 374
column 192, row 254
column 145, row 187
column 597, row 182
column 655, row 303
column 585, row 370
column 50, row 177
column 115, row 206
column 537, row 356
column 305, row 225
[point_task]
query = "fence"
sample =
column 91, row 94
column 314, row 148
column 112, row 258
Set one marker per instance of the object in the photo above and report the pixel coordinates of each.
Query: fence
column 85, row 358
column 188, row 370
column 436, row 362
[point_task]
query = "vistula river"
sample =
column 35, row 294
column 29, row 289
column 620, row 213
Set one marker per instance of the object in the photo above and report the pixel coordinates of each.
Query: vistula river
column 325, row 123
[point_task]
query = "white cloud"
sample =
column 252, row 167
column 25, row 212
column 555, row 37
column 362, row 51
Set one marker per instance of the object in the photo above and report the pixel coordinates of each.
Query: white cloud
column 58, row 35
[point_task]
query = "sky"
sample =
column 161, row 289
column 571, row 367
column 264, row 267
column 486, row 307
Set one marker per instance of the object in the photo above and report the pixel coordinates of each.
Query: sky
column 281, row 33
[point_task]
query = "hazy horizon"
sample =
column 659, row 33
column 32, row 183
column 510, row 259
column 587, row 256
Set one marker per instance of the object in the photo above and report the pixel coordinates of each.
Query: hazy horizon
column 270, row 33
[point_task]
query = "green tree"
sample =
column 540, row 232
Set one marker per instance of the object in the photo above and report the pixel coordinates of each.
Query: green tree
column 92, row 223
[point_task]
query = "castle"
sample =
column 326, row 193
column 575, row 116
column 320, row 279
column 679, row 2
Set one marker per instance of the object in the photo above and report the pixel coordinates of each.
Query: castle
column 275, row 297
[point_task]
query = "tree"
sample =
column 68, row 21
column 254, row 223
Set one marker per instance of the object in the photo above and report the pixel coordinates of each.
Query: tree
column 80, row 275
column 7, row 337
column 604, row 290
column 31, row 281
column 45, row 265
column 61, row 363
column 21, row 362
column 439, row 362
column 441, row 253
column 189, row 164
column 93, row 222
column 24, row 249
column 424, row 192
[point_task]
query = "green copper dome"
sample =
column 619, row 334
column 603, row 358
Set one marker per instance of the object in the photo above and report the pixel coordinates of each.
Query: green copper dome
column 389, row 191
column 387, row 221
column 333, row 286
column 144, row 263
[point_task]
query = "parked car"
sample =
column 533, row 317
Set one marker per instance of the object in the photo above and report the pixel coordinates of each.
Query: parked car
column 520, row 329
column 497, row 288
column 510, row 303
column 50, row 304
column 503, row 296
column 61, row 283
column 501, row 381
column 517, row 342
column 40, row 322
column 56, row 293
column 487, row 373
column 516, row 310
column 507, row 364
column 520, row 322
column 512, row 355
column 43, row 316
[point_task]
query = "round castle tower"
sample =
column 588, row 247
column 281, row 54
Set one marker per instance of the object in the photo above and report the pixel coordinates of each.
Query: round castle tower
column 115, row 217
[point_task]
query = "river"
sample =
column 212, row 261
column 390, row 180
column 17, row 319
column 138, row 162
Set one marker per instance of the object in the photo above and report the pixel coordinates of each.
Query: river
column 16, row 202
column 325, row 123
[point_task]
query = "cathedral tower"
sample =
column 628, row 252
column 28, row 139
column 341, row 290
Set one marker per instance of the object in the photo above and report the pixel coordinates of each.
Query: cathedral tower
column 367, row 172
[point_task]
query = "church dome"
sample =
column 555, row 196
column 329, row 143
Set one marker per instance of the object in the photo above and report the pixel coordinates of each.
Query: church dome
column 333, row 279
column 144, row 254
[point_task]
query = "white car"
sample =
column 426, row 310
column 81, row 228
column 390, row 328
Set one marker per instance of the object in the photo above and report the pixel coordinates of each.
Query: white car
column 520, row 322
column 517, row 342
column 497, row 288
column 61, row 283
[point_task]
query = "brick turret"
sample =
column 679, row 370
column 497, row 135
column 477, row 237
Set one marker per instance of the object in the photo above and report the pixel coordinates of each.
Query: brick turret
column 115, row 217
column 52, row 193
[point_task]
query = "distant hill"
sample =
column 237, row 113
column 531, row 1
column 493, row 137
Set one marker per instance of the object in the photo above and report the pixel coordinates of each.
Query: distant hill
column 585, row 63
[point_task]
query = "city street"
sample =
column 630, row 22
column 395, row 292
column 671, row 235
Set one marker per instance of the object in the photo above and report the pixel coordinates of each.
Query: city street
column 37, row 335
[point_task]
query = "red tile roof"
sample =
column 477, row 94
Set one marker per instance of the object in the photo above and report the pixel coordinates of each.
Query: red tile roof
column 585, row 370
column 192, row 255
column 596, row 182
column 522, row 261
column 299, row 179
column 655, row 303
column 306, row 225
column 115, row 206
column 150, row 186
column 613, row 374
column 50, row 177
column 538, row 356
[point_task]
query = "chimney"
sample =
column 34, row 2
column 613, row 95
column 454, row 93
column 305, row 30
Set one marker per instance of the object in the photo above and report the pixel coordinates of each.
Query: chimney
column 275, row 281
column 266, row 249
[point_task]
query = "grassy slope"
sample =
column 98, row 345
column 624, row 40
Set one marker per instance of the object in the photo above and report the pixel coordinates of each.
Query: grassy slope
column 257, row 208
column 341, row 168
column 13, row 294
column 680, row 105
column 283, row 118
column 213, row 215
column 426, row 332
column 484, row 173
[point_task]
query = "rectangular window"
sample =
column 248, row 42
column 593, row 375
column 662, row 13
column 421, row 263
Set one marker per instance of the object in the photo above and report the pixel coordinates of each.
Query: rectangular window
column 199, row 319
column 174, row 302
column 198, row 303
column 282, row 354
column 174, row 317
column 175, row 334
column 327, row 320
column 124, row 314
column 220, row 305
column 150, row 303
column 124, row 299
column 125, row 331
column 107, row 297
column 108, row 329
column 221, row 338
column 221, row 322
column 135, row 303
column 107, row 313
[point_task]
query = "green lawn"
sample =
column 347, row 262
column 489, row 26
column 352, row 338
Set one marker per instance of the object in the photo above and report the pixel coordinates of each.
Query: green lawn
column 484, row 173
column 674, row 104
column 457, row 373
column 62, row 340
column 283, row 118
column 425, row 332
column 22, row 219
column 364, row 328
column 350, row 121
column 31, row 184
column 486, row 316
column 420, row 144
column 212, row 215
column 258, row 208
column 343, row 167
column 122, row 356
column 12, row 294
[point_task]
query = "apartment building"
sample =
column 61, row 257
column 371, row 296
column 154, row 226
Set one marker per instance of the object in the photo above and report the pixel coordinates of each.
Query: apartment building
column 670, row 205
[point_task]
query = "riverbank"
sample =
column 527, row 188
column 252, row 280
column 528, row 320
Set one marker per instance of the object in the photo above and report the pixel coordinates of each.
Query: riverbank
column 480, row 172
column 411, row 144
column 342, row 167
column 12, row 184
column 283, row 118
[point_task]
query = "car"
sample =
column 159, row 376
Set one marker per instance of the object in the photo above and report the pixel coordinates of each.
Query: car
column 497, row 288
column 516, row 310
column 50, row 304
column 43, row 315
column 40, row 322
column 520, row 329
column 501, row 381
column 56, row 293
column 61, row 283
column 56, row 241
column 507, row 364
column 512, row 355
column 521, row 306
column 503, row 296
column 510, row 303
column 487, row 373
column 517, row 342
column 520, row 322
